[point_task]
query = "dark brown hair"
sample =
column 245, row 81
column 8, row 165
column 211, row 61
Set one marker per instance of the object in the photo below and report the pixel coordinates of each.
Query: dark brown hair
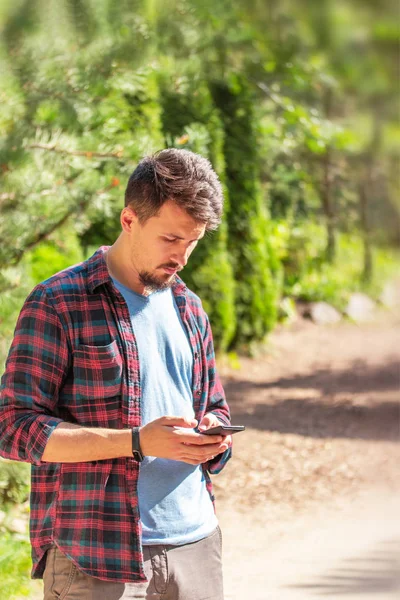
column 179, row 175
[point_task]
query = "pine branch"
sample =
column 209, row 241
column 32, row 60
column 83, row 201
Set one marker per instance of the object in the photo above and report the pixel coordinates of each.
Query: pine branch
column 274, row 97
column 87, row 153
column 44, row 234
column 7, row 197
column 7, row 200
column 6, row 286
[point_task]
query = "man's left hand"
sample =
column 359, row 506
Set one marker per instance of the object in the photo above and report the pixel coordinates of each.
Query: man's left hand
column 210, row 420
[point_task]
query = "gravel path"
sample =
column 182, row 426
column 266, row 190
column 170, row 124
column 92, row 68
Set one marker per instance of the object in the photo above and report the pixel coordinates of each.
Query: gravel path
column 349, row 552
column 314, row 486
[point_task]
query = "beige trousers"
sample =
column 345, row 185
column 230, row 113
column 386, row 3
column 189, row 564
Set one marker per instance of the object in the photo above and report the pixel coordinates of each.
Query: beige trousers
column 188, row 572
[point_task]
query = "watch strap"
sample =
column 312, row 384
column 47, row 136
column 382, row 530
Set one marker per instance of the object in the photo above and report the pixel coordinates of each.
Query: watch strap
column 136, row 449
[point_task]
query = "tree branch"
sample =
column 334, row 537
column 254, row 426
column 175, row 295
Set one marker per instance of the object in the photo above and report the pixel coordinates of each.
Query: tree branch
column 274, row 97
column 86, row 153
column 42, row 235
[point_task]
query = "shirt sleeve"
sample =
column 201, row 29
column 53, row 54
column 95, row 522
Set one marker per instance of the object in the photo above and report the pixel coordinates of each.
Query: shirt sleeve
column 35, row 369
column 217, row 403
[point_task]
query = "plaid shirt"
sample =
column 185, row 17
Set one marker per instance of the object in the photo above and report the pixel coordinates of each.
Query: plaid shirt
column 74, row 358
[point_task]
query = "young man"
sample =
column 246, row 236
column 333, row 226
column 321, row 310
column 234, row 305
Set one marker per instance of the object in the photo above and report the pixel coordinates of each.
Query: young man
column 110, row 372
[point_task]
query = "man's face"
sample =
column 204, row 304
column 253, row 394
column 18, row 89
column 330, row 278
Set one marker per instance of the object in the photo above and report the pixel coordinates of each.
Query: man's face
column 161, row 247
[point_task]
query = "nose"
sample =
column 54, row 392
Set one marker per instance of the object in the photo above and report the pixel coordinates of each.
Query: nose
column 181, row 257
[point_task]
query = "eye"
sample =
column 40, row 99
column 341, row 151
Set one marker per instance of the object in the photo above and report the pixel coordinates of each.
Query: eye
column 170, row 240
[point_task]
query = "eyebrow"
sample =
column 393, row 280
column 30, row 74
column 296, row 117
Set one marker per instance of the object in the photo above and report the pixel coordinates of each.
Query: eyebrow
column 178, row 237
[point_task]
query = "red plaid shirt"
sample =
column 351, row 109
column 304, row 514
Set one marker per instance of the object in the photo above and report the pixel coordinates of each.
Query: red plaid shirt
column 74, row 358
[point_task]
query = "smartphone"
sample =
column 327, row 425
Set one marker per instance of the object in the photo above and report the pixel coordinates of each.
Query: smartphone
column 223, row 430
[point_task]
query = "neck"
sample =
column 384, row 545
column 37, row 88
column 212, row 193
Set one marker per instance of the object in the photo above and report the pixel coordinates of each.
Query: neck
column 120, row 267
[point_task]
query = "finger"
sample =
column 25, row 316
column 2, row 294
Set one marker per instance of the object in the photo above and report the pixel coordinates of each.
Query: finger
column 198, row 439
column 227, row 439
column 178, row 422
column 204, row 452
column 206, row 422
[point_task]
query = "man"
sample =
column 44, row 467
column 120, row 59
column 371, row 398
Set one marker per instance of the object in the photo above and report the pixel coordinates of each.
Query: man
column 110, row 372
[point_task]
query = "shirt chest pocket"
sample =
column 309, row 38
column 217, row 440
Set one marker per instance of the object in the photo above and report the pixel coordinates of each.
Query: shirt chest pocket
column 97, row 371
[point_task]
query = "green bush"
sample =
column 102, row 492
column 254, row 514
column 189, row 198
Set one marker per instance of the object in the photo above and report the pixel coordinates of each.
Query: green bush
column 55, row 254
column 15, row 550
column 308, row 277
column 137, row 127
column 191, row 121
column 15, row 566
column 256, row 291
column 14, row 483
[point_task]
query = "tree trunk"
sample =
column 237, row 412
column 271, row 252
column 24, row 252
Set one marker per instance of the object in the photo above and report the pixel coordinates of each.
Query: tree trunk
column 327, row 189
column 327, row 204
column 367, row 188
column 364, row 220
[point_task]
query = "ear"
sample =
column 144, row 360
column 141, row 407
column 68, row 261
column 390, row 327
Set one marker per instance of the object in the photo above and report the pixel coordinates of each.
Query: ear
column 128, row 218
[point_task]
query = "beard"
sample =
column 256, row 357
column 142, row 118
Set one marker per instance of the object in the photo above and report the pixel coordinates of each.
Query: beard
column 156, row 284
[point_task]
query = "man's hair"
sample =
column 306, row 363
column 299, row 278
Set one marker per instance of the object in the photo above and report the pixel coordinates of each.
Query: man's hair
column 179, row 175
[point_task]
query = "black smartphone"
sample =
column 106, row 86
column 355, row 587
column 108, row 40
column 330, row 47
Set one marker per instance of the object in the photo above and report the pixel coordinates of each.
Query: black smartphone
column 223, row 430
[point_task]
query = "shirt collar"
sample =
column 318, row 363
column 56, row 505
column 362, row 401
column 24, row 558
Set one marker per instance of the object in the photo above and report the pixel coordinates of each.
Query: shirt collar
column 98, row 273
column 97, row 269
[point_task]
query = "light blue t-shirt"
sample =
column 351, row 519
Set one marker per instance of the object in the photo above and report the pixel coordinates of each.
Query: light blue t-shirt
column 175, row 507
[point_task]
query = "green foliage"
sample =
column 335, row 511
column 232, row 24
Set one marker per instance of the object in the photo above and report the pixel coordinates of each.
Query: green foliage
column 15, row 566
column 15, row 551
column 303, row 110
column 15, row 285
column 84, row 119
column 308, row 277
column 14, row 482
column 58, row 252
column 191, row 121
column 287, row 310
column 256, row 293
column 386, row 268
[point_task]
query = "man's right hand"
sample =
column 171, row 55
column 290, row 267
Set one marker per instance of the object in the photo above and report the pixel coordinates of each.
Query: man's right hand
column 174, row 438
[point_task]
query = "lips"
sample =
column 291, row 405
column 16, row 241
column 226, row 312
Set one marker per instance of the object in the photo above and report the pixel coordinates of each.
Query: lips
column 170, row 271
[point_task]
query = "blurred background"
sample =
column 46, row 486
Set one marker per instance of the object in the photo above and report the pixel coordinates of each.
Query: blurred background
column 295, row 103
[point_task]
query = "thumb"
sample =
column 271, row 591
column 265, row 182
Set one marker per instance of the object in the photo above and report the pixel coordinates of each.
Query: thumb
column 178, row 422
column 206, row 422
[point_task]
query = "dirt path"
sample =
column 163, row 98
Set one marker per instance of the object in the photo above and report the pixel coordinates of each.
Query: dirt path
column 309, row 504
column 347, row 552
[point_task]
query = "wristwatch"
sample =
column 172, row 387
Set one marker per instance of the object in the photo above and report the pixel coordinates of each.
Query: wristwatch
column 136, row 449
